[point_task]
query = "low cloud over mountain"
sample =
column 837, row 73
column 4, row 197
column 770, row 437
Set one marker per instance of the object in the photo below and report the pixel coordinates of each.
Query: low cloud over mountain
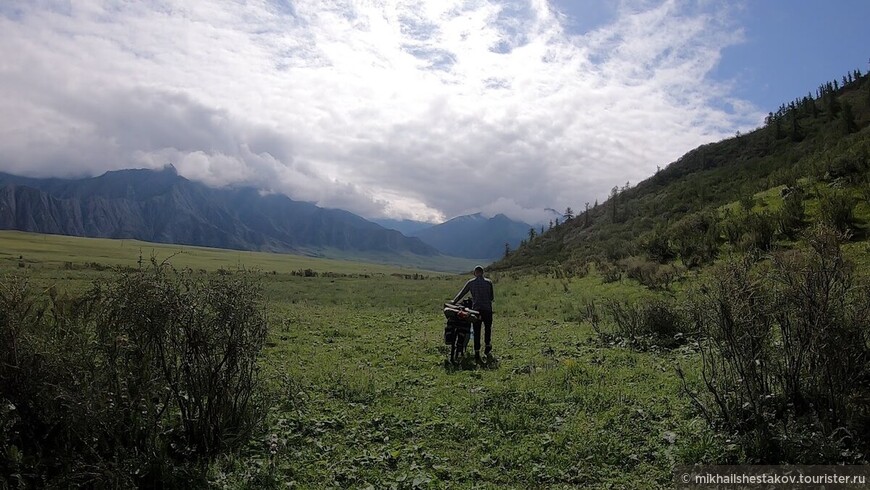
column 161, row 206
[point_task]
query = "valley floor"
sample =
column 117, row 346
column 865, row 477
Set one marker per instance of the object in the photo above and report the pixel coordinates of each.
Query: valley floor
column 355, row 363
column 366, row 398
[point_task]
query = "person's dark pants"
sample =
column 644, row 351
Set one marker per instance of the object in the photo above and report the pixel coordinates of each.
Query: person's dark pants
column 486, row 320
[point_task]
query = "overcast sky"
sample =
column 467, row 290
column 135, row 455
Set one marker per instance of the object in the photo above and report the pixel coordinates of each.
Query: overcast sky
column 405, row 109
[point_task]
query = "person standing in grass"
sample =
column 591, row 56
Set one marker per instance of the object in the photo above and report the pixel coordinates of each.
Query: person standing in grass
column 482, row 296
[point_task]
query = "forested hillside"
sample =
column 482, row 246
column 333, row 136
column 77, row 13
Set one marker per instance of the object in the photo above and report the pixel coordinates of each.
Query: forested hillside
column 754, row 252
column 809, row 162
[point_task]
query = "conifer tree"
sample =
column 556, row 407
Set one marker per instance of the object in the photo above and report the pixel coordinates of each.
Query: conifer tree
column 613, row 206
column 849, row 124
column 795, row 128
column 832, row 105
column 586, row 215
column 777, row 133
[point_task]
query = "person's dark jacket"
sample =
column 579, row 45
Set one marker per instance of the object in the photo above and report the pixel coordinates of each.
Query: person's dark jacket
column 482, row 293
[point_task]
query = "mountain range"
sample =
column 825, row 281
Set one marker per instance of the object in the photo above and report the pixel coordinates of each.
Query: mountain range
column 161, row 206
column 406, row 227
column 475, row 236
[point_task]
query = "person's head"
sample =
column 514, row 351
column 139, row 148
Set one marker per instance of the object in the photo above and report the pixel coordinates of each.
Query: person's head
column 478, row 271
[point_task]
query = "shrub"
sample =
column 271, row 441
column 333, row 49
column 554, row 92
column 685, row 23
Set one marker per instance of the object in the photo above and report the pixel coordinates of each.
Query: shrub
column 732, row 228
column 847, row 166
column 791, row 216
column 784, row 361
column 138, row 382
column 836, row 209
column 651, row 274
column 656, row 246
column 578, row 269
column 609, row 272
column 304, row 273
column 759, row 231
column 696, row 238
column 641, row 324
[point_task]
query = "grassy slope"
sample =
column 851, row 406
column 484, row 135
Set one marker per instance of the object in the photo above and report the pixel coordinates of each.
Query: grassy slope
column 57, row 250
column 709, row 177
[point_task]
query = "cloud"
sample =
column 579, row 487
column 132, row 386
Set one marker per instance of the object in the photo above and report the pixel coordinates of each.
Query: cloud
column 510, row 208
column 408, row 109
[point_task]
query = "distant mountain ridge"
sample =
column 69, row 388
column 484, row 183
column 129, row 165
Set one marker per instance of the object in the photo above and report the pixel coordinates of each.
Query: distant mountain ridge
column 404, row 226
column 161, row 206
column 475, row 236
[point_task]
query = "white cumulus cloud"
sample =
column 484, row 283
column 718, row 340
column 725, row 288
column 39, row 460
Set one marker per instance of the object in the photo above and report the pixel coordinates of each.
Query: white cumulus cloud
column 407, row 109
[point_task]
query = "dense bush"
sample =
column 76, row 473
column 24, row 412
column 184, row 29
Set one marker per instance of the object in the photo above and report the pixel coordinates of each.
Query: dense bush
column 791, row 218
column 758, row 232
column 836, row 209
column 651, row 274
column 642, row 324
column 139, row 382
column 656, row 246
column 731, row 227
column 609, row 272
column 785, row 355
column 848, row 166
column 696, row 238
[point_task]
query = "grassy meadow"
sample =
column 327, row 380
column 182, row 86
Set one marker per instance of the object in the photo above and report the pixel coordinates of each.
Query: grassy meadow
column 357, row 382
column 363, row 398
column 60, row 251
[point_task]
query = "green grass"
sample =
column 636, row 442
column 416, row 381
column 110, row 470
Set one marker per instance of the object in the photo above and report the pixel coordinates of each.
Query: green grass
column 55, row 251
column 366, row 397
column 363, row 396
column 441, row 263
